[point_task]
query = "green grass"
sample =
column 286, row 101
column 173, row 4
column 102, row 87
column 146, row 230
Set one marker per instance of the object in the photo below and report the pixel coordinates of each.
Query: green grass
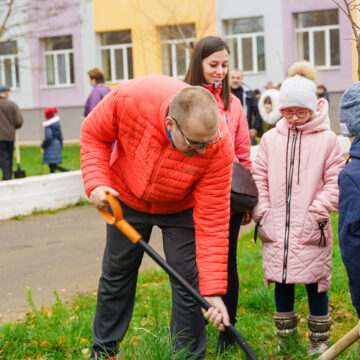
column 63, row 330
column 31, row 159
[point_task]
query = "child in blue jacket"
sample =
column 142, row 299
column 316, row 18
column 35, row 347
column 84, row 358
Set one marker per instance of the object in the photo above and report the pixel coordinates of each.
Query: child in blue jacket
column 51, row 146
column 349, row 198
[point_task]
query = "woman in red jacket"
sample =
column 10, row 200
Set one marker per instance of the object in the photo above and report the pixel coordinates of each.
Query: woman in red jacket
column 209, row 67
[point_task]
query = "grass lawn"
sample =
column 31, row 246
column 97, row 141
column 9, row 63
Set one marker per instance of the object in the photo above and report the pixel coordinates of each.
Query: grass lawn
column 31, row 159
column 63, row 330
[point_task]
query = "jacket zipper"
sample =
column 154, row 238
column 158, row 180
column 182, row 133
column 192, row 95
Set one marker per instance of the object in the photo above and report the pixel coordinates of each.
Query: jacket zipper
column 288, row 201
column 154, row 173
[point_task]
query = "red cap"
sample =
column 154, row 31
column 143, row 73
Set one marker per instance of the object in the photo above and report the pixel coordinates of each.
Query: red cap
column 50, row 112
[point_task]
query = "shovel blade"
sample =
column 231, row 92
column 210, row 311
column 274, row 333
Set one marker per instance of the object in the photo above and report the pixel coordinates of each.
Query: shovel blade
column 19, row 173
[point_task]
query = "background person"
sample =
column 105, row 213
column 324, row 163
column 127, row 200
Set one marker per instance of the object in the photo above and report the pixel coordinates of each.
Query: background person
column 349, row 196
column 52, row 144
column 10, row 120
column 249, row 102
column 209, row 67
column 321, row 92
column 97, row 81
column 171, row 167
column 296, row 170
column 269, row 108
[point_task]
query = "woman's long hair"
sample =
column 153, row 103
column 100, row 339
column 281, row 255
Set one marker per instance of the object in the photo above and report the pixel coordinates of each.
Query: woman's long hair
column 204, row 48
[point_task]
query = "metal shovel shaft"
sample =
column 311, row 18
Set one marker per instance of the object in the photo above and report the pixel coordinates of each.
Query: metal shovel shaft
column 197, row 297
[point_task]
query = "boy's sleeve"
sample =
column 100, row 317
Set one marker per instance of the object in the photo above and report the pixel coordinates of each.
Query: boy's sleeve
column 349, row 234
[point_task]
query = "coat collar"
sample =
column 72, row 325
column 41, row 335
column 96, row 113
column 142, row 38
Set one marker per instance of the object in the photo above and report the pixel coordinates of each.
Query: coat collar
column 51, row 121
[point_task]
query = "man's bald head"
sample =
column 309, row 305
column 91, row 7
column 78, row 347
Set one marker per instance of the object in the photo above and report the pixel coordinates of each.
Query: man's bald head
column 195, row 104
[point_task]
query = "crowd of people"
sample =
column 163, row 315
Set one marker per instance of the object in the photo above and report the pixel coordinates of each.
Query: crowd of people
column 165, row 149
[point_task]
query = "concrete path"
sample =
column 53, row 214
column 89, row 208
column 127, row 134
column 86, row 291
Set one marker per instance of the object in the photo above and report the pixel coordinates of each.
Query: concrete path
column 61, row 252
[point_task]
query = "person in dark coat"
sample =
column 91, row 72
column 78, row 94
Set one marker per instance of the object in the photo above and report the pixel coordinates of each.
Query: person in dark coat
column 10, row 120
column 51, row 146
column 349, row 197
column 97, row 80
column 249, row 102
column 321, row 92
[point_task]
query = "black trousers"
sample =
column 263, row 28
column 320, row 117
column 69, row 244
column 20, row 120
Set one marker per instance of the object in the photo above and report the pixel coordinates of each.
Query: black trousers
column 54, row 167
column 6, row 158
column 117, row 284
column 232, row 296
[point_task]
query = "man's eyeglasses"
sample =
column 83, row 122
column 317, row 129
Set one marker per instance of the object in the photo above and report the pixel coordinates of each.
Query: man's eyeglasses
column 301, row 114
column 198, row 145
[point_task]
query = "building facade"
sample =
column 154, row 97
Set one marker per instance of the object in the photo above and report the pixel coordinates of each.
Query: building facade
column 49, row 47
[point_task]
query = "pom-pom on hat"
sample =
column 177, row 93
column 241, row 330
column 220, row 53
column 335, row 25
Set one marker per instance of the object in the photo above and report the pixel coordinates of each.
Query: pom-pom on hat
column 50, row 112
column 299, row 90
column 349, row 111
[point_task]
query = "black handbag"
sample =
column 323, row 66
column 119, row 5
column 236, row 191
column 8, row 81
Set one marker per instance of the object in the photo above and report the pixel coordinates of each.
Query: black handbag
column 244, row 193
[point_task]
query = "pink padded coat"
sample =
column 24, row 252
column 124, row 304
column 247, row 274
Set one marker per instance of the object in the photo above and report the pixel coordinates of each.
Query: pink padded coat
column 296, row 174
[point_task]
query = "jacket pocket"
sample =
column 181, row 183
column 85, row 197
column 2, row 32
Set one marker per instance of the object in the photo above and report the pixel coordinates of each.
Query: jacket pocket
column 264, row 227
column 315, row 232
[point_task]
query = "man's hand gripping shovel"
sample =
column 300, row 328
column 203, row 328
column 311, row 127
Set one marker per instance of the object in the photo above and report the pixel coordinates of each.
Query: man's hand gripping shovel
column 118, row 220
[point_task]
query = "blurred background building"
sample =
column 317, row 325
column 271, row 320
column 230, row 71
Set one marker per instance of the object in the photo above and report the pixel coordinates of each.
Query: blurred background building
column 47, row 47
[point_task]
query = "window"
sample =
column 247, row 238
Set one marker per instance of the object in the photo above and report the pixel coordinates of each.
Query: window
column 59, row 60
column 9, row 65
column 317, row 38
column 245, row 38
column 116, row 55
column 176, row 44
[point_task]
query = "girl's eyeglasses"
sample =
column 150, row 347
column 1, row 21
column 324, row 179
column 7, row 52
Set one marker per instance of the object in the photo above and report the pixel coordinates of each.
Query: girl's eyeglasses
column 301, row 114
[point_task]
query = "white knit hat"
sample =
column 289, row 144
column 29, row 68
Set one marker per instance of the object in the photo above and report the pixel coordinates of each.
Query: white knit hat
column 299, row 90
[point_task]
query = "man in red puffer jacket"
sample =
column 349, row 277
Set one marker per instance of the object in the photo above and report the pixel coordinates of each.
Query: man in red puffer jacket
column 171, row 166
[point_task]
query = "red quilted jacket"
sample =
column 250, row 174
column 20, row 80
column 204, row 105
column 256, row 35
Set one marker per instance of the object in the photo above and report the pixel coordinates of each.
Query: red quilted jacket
column 152, row 177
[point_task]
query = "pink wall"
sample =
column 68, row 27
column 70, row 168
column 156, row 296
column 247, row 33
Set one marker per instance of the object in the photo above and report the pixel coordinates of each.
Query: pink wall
column 334, row 80
column 48, row 18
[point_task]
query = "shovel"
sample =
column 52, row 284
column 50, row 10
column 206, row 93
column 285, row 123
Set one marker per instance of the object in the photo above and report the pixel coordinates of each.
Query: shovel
column 118, row 220
column 18, row 173
column 341, row 345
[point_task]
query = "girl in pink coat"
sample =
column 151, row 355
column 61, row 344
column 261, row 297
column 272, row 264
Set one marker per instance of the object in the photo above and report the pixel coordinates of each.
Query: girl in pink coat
column 296, row 171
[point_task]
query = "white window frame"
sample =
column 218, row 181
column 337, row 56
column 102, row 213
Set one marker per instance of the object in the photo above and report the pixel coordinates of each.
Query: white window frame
column 311, row 30
column 13, row 69
column 253, row 36
column 55, row 53
column 112, row 49
column 186, row 42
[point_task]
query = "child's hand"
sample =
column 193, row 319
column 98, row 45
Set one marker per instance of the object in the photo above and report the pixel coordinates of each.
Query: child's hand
column 42, row 150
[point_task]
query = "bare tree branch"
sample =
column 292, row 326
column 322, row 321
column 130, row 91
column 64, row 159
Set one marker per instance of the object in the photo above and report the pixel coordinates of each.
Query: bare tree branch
column 350, row 6
column 8, row 13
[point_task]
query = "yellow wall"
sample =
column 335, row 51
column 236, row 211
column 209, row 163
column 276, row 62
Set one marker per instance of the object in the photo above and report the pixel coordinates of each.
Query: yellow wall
column 143, row 17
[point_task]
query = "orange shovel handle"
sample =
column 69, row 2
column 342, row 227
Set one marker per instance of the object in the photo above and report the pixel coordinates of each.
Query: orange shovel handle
column 117, row 218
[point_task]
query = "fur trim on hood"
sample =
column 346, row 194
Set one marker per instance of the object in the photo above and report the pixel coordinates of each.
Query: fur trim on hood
column 51, row 121
column 274, row 115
